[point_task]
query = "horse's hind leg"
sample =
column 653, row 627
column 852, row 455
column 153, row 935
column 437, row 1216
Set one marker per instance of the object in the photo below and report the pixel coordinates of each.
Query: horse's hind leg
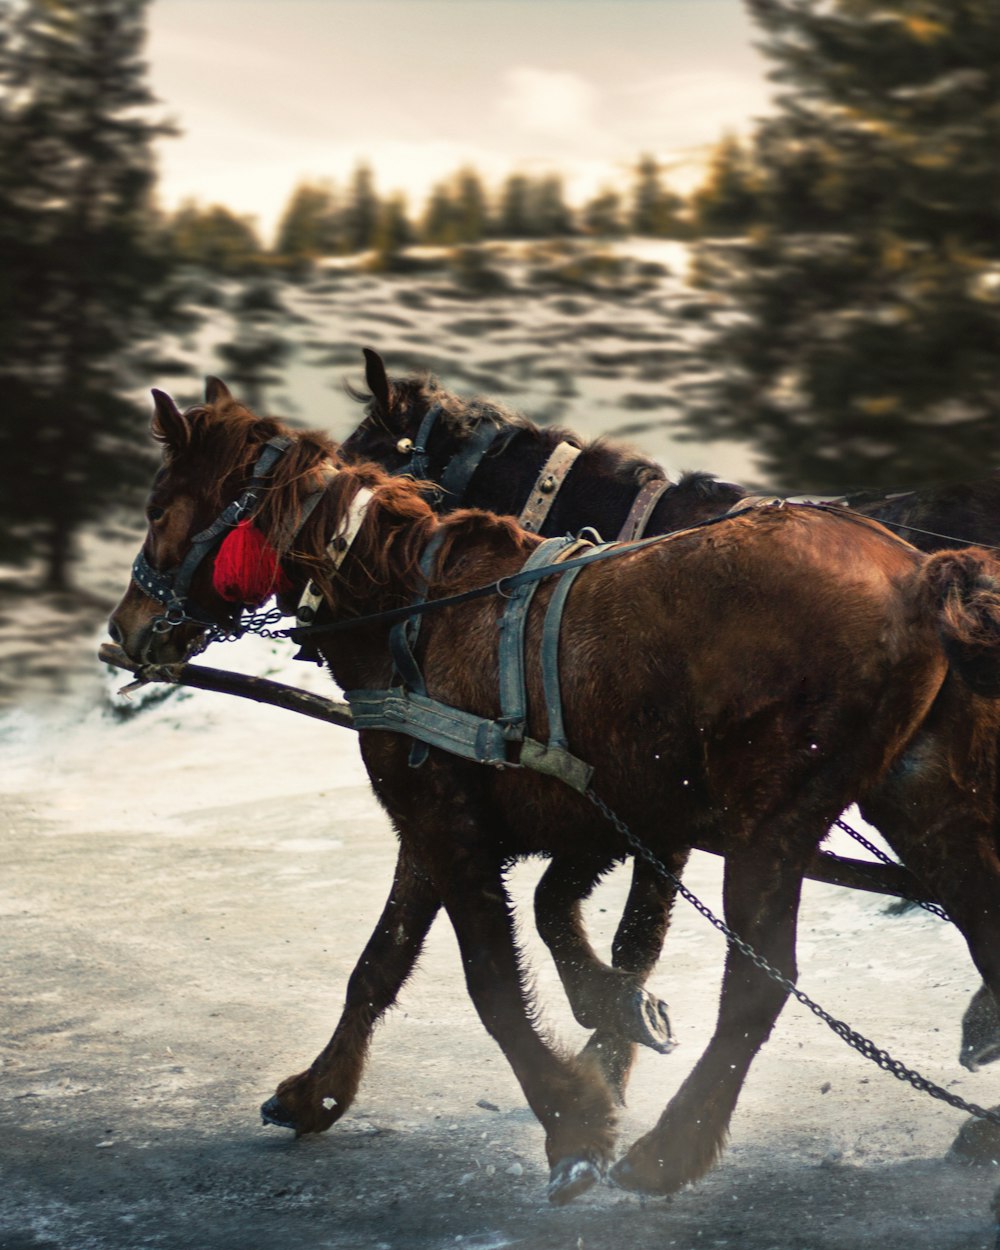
column 937, row 808
column 569, row 1098
column 610, row 1000
column 311, row 1101
column 761, row 896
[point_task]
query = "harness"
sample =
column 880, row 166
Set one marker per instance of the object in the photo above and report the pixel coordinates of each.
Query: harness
column 407, row 708
column 172, row 586
column 459, row 470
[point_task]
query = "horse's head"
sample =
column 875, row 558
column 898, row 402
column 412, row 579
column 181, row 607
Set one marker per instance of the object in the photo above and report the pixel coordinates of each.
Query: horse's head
column 417, row 428
column 221, row 470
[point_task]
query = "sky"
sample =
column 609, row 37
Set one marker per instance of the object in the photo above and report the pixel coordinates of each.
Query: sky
column 268, row 93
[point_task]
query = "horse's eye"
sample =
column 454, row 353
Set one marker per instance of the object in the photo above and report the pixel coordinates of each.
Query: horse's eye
column 154, row 513
column 404, row 446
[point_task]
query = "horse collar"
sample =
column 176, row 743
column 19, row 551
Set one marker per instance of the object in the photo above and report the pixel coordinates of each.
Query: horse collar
column 336, row 550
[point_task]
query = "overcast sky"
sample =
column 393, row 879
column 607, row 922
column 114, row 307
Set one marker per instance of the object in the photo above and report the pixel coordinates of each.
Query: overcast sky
column 269, row 92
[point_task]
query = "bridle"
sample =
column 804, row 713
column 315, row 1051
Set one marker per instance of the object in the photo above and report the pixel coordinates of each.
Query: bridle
column 172, row 587
column 458, row 472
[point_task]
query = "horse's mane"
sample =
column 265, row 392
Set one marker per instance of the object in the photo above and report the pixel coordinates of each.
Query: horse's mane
column 226, row 441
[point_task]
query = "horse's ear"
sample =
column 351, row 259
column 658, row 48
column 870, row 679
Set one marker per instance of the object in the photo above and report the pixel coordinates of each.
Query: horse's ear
column 216, row 390
column 376, row 379
column 169, row 423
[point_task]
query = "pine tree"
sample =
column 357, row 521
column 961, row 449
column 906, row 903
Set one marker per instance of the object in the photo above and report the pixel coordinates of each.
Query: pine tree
column 393, row 233
column 214, row 238
column 82, row 268
column 309, row 227
column 514, row 214
column 654, row 208
column 726, row 202
column 550, row 216
column 437, row 225
column 866, row 352
column 602, row 215
column 359, row 218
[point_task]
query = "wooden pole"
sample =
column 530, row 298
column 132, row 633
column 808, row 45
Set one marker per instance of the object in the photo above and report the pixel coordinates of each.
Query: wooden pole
column 853, row 874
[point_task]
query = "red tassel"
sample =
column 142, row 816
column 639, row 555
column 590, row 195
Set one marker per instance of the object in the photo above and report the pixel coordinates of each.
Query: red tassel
column 246, row 567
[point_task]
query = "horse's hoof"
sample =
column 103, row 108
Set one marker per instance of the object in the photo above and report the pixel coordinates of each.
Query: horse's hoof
column 977, row 1142
column 272, row 1112
column 650, row 1023
column 626, row 1175
column 570, row 1178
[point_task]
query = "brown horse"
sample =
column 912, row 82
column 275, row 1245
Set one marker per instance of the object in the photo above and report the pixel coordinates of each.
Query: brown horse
column 751, row 680
column 482, row 455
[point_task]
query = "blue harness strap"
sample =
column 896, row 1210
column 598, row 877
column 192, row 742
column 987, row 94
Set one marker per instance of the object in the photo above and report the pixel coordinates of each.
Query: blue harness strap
column 406, row 708
column 513, row 693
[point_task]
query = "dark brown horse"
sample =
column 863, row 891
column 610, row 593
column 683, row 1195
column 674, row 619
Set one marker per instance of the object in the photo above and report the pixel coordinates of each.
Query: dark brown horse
column 821, row 681
column 501, row 455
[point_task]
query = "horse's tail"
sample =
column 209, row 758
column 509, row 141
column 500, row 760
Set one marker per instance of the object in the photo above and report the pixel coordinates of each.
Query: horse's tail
column 962, row 588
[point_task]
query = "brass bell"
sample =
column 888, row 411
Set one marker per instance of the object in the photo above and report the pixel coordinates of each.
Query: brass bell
column 404, row 446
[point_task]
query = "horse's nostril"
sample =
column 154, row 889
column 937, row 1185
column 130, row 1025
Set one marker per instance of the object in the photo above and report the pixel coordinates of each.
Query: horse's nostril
column 116, row 633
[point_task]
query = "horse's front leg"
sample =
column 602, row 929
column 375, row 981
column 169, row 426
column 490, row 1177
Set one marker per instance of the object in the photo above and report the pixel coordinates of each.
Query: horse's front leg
column 312, row 1101
column 609, row 999
column 761, row 898
column 569, row 1097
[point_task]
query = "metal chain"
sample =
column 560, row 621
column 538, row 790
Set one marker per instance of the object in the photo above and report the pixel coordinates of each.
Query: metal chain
column 934, row 908
column 258, row 623
column 860, row 1043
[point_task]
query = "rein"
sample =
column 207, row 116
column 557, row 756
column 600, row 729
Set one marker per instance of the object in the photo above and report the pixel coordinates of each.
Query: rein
column 503, row 586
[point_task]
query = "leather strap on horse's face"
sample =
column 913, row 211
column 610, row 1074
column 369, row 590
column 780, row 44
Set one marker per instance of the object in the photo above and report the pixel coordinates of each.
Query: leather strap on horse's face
column 458, row 471
column 171, row 587
column 419, row 463
column 643, row 507
column 546, row 487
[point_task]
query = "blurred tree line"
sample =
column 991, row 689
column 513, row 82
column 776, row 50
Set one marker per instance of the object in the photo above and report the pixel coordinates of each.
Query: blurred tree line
column 867, row 352
column 855, row 234
column 321, row 219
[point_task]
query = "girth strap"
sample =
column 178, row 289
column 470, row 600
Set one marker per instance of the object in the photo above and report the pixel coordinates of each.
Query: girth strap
column 546, row 487
column 513, row 693
column 643, row 507
column 408, row 709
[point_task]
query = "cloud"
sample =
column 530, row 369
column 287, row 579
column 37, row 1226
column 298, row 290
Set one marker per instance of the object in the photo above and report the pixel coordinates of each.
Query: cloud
column 547, row 102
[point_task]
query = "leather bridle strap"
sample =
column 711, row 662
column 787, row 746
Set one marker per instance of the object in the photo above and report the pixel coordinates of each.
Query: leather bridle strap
column 418, row 466
column 546, row 487
column 460, row 468
column 171, row 587
column 643, row 507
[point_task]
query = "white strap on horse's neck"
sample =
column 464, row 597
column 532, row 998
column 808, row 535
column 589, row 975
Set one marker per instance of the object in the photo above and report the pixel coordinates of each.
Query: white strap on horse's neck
column 336, row 550
column 546, row 487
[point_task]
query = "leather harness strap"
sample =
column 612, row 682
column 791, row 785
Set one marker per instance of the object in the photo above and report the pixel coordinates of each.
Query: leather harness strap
column 336, row 550
column 642, row 509
column 406, row 707
column 546, row 487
